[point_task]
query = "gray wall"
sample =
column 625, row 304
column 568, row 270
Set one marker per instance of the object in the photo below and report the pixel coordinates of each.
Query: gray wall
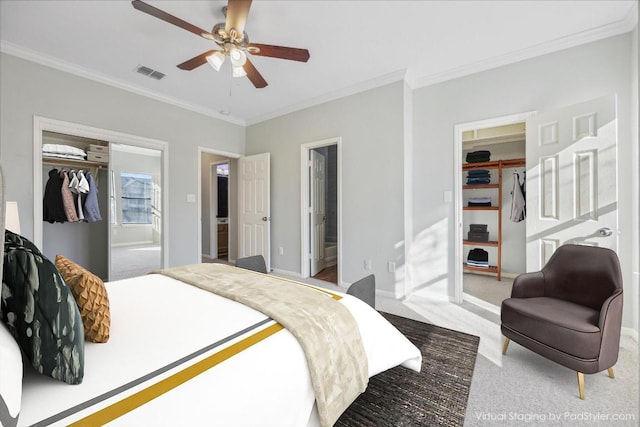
column 30, row 89
column 371, row 126
column 543, row 83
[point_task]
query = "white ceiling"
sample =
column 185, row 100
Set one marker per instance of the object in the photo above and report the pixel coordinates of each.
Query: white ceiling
column 354, row 45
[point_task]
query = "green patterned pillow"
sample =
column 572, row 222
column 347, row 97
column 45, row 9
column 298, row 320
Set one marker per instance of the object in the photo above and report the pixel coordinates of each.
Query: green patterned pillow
column 40, row 311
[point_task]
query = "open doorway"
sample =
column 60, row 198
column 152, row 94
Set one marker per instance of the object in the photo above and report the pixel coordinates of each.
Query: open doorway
column 491, row 241
column 321, row 210
column 218, row 200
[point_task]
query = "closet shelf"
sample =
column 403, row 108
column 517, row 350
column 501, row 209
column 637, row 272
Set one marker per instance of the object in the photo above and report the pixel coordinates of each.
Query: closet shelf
column 475, row 243
column 480, row 208
column 473, row 187
column 490, row 269
column 71, row 162
column 496, row 164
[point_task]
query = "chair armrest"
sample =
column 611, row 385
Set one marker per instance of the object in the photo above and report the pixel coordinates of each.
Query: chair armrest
column 610, row 323
column 528, row 285
column 612, row 306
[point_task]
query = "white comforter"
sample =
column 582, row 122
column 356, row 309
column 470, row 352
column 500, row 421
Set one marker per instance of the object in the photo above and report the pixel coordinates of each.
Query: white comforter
column 157, row 320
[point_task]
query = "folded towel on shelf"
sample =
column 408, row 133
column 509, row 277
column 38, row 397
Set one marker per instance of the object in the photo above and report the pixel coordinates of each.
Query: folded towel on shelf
column 64, row 156
column 478, row 181
column 478, row 255
column 478, row 172
column 60, row 150
column 478, row 264
column 479, row 199
column 478, row 156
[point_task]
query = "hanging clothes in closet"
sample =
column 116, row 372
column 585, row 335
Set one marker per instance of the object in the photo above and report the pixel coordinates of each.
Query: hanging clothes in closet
column 71, row 197
column 518, row 201
column 52, row 204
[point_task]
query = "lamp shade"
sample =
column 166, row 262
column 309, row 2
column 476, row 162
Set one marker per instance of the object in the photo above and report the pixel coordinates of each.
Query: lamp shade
column 238, row 71
column 11, row 218
column 216, row 60
column 238, row 57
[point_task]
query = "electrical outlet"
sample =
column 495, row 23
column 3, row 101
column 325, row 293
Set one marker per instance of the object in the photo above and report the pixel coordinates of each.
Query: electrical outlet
column 191, row 198
column 391, row 266
column 367, row 264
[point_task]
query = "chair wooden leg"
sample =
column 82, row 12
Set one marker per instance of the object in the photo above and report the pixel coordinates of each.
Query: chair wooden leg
column 505, row 345
column 581, row 384
column 611, row 374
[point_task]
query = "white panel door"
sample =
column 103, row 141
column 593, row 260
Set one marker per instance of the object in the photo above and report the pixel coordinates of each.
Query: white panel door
column 318, row 211
column 254, row 207
column 572, row 194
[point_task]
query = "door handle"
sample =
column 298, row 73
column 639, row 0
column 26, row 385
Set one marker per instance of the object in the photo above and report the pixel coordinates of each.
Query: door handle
column 264, row 218
column 605, row 232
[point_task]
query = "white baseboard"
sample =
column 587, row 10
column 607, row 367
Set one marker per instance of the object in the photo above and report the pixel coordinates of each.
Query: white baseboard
column 481, row 303
column 630, row 332
column 286, row 272
column 386, row 294
column 126, row 244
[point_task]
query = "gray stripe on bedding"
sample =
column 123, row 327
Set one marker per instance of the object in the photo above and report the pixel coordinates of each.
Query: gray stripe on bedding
column 5, row 417
column 82, row 406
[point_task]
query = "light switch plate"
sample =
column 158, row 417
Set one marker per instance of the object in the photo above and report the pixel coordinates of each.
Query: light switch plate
column 191, row 198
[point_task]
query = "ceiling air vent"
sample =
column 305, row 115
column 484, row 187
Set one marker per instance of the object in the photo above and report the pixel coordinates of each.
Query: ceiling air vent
column 150, row 72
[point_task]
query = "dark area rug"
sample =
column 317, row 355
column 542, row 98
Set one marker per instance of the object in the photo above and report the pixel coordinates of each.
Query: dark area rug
column 437, row 396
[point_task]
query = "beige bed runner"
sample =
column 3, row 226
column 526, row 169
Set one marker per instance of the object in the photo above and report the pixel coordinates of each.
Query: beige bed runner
column 325, row 328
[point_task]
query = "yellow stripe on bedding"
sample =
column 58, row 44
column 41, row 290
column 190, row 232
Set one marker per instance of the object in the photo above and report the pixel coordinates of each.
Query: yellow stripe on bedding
column 138, row 399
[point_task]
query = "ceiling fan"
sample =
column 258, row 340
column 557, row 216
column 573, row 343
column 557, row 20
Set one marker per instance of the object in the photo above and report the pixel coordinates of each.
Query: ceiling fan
column 232, row 40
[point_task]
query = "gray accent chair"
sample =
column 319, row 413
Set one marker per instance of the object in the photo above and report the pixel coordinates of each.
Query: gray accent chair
column 569, row 312
column 254, row 263
column 365, row 289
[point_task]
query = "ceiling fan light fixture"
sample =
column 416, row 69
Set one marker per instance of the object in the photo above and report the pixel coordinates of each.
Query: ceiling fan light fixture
column 216, row 60
column 238, row 57
column 238, row 71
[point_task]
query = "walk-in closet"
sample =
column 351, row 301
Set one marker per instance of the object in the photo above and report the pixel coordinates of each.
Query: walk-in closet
column 494, row 209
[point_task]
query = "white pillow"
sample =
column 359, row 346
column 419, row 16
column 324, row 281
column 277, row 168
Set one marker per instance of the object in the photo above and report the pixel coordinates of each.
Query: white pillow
column 10, row 378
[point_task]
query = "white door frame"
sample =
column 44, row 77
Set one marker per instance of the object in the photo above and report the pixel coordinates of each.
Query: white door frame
column 304, row 203
column 220, row 153
column 41, row 124
column 458, row 294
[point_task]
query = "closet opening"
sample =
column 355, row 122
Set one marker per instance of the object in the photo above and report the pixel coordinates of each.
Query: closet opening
column 218, row 207
column 321, row 210
column 127, row 211
column 491, row 209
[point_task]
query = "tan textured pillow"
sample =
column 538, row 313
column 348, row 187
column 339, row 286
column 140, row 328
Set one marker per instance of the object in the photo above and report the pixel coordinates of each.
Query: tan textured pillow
column 91, row 297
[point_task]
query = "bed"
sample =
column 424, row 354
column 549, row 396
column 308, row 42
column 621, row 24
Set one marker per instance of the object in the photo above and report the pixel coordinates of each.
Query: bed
column 182, row 355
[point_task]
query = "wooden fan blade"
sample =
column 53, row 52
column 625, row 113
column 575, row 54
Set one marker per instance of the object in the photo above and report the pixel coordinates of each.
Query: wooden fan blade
column 160, row 14
column 291, row 53
column 194, row 63
column 237, row 12
column 252, row 74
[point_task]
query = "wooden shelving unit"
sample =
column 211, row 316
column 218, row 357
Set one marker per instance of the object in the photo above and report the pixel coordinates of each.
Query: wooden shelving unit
column 494, row 165
column 70, row 162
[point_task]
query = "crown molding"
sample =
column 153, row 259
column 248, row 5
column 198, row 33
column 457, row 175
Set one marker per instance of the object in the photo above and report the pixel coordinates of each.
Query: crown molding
column 331, row 96
column 622, row 26
column 49, row 61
